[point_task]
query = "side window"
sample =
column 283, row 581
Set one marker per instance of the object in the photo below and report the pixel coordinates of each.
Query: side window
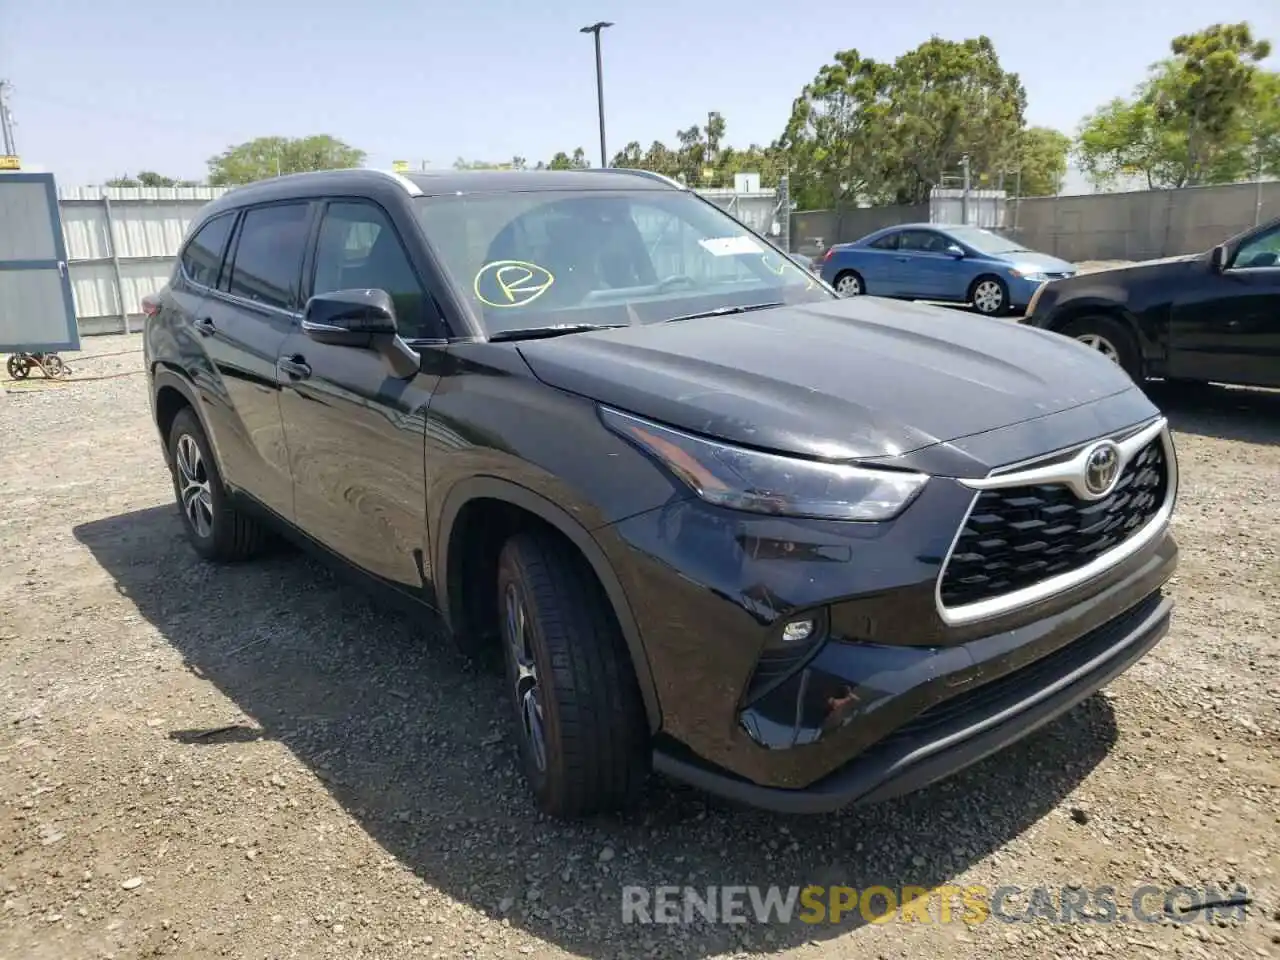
column 887, row 242
column 359, row 248
column 923, row 241
column 202, row 258
column 1262, row 250
column 268, row 257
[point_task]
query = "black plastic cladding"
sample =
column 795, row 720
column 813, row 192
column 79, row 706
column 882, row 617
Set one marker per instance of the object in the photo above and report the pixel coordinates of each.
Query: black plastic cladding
column 1018, row 536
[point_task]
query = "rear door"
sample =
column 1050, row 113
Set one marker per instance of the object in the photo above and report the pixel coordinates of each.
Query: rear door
column 243, row 325
column 356, row 435
column 37, row 311
column 1226, row 327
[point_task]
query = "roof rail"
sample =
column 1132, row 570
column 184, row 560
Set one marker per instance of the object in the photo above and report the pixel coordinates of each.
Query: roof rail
column 410, row 187
column 637, row 172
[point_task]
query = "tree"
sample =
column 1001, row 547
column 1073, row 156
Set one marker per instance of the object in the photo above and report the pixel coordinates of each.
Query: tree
column 869, row 132
column 148, row 178
column 1261, row 127
column 1198, row 118
column 562, row 160
column 1040, row 162
column 274, row 156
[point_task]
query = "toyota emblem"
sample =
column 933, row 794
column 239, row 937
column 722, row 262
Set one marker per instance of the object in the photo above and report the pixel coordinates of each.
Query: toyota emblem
column 1102, row 468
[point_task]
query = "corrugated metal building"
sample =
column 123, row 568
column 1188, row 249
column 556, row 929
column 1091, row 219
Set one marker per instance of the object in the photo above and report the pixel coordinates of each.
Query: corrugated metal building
column 121, row 242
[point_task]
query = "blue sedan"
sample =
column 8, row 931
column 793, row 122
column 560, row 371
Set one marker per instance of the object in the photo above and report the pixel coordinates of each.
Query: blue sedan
column 926, row 261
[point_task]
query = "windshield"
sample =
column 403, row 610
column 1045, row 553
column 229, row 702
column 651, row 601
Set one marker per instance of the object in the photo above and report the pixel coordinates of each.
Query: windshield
column 549, row 258
column 985, row 241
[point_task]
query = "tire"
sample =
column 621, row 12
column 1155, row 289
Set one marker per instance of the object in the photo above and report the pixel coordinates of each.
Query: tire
column 18, row 367
column 1110, row 338
column 216, row 528
column 579, row 719
column 989, row 296
column 849, row 283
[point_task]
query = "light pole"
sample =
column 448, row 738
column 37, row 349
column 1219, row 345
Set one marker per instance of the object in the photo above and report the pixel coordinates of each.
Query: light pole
column 595, row 29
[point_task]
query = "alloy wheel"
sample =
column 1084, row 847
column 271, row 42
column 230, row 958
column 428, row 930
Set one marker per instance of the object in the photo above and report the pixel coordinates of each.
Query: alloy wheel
column 988, row 297
column 849, row 285
column 193, row 486
column 1102, row 345
column 527, row 690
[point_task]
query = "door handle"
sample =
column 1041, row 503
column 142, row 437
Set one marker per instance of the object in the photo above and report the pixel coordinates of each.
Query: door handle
column 205, row 326
column 295, row 366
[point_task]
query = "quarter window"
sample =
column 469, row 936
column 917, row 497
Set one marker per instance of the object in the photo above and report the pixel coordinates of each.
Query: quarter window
column 268, row 258
column 359, row 248
column 202, row 259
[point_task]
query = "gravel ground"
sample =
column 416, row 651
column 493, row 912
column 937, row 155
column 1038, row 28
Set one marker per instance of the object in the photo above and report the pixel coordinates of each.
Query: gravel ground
column 258, row 761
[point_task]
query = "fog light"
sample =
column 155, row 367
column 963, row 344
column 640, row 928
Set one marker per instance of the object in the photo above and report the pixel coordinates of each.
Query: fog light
column 797, row 631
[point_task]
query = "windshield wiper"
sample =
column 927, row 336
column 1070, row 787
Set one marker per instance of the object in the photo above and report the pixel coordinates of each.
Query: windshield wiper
column 725, row 311
column 559, row 329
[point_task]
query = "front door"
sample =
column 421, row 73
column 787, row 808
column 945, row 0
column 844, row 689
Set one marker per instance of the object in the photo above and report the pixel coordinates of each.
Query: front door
column 37, row 311
column 1228, row 328
column 356, row 434
column 922, row 264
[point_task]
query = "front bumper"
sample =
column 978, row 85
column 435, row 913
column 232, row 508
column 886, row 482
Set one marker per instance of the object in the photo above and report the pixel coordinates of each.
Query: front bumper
column 970, row 727
column 894, row 691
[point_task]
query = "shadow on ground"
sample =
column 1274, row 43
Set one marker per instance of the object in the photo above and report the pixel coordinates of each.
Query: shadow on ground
column 409, row 740
column 1212, row 410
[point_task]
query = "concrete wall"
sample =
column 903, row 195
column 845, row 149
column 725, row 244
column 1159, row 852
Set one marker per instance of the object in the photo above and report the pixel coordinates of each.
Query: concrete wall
column 1141, row 226
column 1104, row 226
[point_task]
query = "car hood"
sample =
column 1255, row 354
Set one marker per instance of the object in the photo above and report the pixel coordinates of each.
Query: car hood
column 1031, row 262
column 844, row 379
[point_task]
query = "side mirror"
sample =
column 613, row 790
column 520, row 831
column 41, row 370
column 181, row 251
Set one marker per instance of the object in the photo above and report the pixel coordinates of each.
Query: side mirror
column 955, row 251
column 361, row 318
column 349, row 317
column 1218, row 258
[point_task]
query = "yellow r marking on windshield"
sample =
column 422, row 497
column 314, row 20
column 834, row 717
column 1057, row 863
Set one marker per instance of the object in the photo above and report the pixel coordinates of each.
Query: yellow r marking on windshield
column 511, row 283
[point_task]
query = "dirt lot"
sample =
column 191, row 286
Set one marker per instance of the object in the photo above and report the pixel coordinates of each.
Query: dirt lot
column 259, row 762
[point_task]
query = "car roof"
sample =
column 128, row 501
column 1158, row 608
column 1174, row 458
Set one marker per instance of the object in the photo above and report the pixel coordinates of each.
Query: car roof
column 385, row 183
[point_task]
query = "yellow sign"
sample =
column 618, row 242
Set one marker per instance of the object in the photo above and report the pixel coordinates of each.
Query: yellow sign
column 400, row 166
column 511, row 283
column 8, row 162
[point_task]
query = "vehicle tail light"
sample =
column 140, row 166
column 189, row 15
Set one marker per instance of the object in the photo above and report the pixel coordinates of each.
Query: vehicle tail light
column 150, row 307
column 827, row 256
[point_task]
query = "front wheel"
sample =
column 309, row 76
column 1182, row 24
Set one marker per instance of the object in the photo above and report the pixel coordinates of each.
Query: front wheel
column 579, row 719
column 849, row 284
column 18, row 367
column 990, row 296
column 1109, row 338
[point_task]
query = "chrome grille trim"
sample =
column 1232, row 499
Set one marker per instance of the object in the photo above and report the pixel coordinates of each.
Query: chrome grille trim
column 1068, row 473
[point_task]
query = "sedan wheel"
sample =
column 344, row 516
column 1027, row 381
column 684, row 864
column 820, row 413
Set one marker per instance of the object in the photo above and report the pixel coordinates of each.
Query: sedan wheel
column 988, row 297
column 1102, row 345
column 849, row 285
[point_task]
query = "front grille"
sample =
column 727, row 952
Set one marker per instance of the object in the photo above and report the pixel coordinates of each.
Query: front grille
column 1018, row 536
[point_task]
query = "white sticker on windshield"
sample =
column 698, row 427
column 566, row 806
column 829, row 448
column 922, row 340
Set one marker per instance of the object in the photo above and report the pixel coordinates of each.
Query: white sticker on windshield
column 730, row 246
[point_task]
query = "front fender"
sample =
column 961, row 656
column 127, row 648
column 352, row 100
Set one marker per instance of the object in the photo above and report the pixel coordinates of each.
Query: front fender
column 494, row 488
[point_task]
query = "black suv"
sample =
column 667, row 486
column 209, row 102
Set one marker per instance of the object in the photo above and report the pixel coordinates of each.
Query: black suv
column 797, row 550
column 1212, row 316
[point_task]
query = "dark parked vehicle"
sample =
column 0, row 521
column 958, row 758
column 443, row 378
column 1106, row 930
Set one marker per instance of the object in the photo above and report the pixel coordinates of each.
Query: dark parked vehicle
column 794, row 549
column 1212, row 316
column 933, row 261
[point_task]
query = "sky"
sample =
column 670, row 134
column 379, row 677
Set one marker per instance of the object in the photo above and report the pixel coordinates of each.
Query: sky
column 101, row 88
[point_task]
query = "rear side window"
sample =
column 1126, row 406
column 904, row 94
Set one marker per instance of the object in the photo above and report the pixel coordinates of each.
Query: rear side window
column 268, row 257
column 202, row 258
column 887, row 242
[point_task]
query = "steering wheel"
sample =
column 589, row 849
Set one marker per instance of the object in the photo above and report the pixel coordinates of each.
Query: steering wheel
column 677, row 280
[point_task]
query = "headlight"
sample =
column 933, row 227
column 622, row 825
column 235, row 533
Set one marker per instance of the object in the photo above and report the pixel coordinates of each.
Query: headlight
column 745, row 479
column 1021, row 275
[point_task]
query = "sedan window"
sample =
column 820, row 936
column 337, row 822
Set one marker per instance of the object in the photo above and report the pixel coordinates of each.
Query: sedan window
column 1262, row 250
